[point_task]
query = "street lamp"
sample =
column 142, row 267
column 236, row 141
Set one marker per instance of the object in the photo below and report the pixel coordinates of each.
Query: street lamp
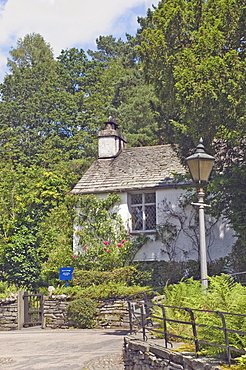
column 200, row 165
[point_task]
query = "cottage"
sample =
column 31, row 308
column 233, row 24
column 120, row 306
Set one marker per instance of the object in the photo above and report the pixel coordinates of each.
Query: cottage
column 152, row 199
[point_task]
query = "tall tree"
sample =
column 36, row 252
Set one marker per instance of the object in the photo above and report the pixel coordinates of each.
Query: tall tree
column 194, row 53
column 38, row 111
column 133, row 101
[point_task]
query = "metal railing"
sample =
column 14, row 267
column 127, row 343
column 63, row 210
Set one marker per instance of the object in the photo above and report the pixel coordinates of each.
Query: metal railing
column 144, row 314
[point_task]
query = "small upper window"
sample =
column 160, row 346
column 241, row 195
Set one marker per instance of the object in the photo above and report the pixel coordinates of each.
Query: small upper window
column 143, row 211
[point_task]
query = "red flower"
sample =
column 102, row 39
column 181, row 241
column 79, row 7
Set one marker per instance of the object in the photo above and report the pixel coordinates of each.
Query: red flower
column 106, row 242
column 104, row 248
column 85, row 247
column 123, row 241
column 108, row 251
column 130, row 236
column 120, row 245
column 74, row 257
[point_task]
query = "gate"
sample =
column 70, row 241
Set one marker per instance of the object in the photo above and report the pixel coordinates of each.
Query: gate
column 33, row 309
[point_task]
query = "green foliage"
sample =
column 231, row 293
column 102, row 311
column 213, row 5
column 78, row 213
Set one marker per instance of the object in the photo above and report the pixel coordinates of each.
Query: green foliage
column 6, row 289
column 241, row 360
column 193, row 52
column 128, row 275
column 21, row 263
column 223, row 295
column 110, row 289
column 103, row 242
column 170, row 272
column 32, row 199
column 82, row 313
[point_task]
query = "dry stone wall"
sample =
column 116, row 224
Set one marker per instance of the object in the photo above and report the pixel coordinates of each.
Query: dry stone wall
column 110, row 313
column 9, row 314
column 139, row 355
column 55, row 312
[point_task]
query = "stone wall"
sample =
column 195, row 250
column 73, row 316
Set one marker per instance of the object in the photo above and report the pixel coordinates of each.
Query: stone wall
column 9, row 314
column 54, row 314
column 110, row 313
column 139, row 355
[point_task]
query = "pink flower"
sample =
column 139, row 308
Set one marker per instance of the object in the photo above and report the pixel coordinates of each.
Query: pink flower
column 120, row 245
column 85, row 247
column 108, row 251
column 123, row 241
column 104, row 248
column 106, row 242
column 74, row 257
column 130, row 236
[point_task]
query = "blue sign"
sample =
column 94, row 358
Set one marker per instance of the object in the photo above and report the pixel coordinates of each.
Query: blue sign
column 66, row 273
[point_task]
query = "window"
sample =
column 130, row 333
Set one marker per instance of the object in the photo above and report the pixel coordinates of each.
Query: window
column 143, row 211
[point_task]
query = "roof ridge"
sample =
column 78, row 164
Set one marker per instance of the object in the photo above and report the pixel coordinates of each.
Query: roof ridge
column 148, row 146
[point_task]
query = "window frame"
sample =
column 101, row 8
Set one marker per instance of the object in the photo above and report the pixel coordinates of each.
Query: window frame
column 143, row 205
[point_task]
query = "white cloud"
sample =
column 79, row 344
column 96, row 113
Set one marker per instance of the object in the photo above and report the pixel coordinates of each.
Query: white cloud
column 67, row 23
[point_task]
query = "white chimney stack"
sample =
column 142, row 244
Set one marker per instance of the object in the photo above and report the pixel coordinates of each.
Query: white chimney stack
column 110, row 140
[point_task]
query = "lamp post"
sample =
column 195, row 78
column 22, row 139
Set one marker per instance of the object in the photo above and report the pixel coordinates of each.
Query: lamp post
column 200, row 165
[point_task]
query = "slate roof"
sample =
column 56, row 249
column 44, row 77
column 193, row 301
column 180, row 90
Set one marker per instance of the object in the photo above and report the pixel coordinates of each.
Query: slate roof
column 134, row 168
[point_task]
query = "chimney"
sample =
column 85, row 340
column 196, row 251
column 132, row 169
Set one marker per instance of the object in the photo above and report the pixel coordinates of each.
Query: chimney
column 110, row 140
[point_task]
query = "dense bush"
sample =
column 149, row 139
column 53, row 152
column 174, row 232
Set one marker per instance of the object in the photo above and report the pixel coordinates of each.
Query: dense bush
column 6, row 289
column 170, row 272
column 101, row 291
column 82, row 313
column 128, row 275
column 110, row 290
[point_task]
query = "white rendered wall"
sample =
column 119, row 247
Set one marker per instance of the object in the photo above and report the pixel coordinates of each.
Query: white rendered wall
column 219, row 236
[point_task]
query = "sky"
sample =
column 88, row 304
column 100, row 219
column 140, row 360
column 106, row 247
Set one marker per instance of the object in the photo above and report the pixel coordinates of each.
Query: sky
column 67, row 23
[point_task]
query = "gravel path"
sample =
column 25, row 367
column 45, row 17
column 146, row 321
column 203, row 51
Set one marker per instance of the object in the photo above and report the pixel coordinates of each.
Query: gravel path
column 112, row 362
column 36, row 349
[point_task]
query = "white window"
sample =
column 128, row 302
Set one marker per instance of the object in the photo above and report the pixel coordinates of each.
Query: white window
column 143, row 211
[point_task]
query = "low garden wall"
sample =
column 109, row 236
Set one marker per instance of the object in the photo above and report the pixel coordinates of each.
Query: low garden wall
column 54, row 312
column 110, row 313
column 139, row 355
column 9, row 313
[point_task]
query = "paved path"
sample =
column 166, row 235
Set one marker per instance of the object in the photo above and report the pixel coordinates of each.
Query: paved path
column 34, row 348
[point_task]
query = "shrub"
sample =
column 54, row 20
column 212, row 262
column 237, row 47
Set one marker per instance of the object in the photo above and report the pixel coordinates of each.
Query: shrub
column 110, row 290
column 128, row 275
column 82, row 313
column 6, row 289
column 163, row 272
column 102, row 291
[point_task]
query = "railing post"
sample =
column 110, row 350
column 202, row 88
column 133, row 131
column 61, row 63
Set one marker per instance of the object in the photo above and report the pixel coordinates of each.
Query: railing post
column 193, row 324
column 130, row 316
column 164, row 325
column 228, row 351
column 42, row 311
column 26, row 315
column 143, row 322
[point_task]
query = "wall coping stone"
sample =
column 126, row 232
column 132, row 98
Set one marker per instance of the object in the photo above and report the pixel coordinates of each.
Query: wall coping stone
column 179, row 359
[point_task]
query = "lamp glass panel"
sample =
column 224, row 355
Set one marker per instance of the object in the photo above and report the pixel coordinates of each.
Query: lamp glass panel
column 200, row 169
column 194, row 168
column 205, row 169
